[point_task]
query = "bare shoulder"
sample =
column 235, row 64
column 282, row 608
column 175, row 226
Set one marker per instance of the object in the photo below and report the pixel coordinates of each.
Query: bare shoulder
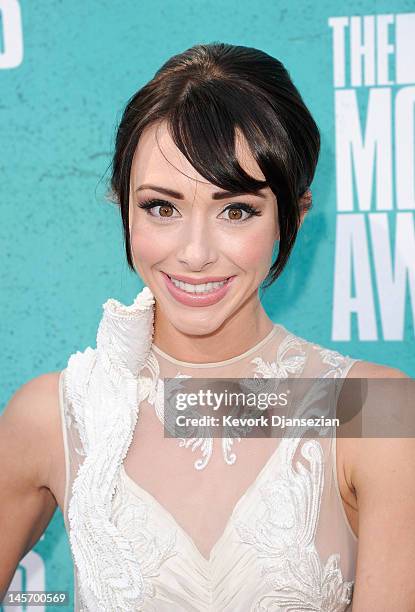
column 369, row 369
column 380, row 472
column 352, row 450
column 28, row 428
column 28, row 437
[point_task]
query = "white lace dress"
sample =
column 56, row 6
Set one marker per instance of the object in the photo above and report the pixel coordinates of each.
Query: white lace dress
column 167, row 525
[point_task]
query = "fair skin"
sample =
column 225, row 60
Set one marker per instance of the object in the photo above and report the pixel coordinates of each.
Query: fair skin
column 200, row 238
column 379, row 506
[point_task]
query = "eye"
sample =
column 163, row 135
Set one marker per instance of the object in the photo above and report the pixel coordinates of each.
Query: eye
column 239, row 208
column 165, row 208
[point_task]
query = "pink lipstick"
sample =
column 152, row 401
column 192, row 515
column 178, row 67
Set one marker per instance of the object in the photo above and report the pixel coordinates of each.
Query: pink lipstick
column 197, row 299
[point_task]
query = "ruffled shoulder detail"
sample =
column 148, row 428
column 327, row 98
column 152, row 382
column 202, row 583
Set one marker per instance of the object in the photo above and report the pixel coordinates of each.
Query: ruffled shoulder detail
column 102, row 385
column 126, row 332
column 77, row 374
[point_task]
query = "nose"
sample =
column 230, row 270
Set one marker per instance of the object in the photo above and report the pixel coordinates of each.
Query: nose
column 197, row 247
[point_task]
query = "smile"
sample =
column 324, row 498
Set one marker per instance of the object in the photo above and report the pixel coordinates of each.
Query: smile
column 198, row 288
column 200, row 294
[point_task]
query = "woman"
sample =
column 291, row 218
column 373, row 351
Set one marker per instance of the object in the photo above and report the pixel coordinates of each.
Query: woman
column 213, row 163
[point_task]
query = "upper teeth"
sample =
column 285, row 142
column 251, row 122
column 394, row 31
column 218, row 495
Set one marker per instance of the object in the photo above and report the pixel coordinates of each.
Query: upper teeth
column 200, row 288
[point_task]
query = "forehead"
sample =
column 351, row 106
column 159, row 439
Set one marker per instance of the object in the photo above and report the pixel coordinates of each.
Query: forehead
column 158, row 159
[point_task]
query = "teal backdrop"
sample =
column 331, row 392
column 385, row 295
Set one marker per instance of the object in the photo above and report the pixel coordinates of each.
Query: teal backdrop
column 66, row 72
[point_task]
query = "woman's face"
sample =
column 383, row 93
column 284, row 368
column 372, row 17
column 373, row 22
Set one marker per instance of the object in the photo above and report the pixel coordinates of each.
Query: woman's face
column 194, row 234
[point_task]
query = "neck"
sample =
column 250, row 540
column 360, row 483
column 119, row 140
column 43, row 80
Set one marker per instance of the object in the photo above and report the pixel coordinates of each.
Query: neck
column 245, row 328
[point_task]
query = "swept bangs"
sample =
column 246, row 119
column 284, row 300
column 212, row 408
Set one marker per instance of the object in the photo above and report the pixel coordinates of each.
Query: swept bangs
column 205, row 95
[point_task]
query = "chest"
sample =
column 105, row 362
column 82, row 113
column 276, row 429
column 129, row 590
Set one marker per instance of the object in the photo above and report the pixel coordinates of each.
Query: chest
column 200, row 499
column 202, row 521
column 203, row 500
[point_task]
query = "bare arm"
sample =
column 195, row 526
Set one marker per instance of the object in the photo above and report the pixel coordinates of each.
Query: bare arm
column 382, row 473
column 26, row 434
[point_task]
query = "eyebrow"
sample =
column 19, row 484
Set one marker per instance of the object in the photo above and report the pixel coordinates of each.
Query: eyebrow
column 216, row 195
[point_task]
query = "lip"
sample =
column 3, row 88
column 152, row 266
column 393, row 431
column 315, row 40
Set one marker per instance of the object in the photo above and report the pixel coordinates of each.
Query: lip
column 198, row 281
column 197, row 299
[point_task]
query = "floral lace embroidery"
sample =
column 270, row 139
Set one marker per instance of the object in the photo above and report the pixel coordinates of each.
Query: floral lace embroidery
column 284, row 534
column 283, row 365
column 152, row 389
column 103, row 388
column 151, row 546
column 334, row 359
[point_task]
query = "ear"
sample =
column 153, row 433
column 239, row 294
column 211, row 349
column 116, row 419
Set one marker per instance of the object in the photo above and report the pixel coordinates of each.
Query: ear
column 302, row 215
column 305, row 204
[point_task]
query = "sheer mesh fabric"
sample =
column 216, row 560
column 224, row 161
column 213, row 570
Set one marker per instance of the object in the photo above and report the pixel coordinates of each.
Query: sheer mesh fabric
column 260, row 525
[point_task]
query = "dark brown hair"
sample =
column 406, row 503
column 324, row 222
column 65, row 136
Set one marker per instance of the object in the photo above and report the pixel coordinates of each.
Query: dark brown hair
column 204, row 94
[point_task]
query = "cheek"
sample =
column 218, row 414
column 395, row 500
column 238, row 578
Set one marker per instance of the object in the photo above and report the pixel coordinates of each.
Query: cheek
column 254, row 250
column 151, row 246
column 146, row 246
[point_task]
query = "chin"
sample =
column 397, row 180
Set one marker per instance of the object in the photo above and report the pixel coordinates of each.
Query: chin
column 194, row 325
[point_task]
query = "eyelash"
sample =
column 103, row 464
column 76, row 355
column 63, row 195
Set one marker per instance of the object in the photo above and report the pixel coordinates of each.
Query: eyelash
column 147, row 205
